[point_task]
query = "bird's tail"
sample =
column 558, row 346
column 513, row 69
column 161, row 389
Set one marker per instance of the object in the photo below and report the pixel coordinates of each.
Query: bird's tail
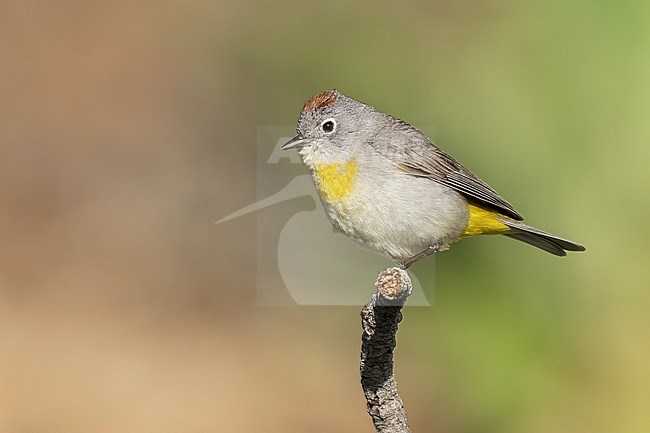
column 539, row 238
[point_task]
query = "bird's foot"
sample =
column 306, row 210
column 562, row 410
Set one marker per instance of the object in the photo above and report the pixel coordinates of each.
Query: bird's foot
column 419, row 256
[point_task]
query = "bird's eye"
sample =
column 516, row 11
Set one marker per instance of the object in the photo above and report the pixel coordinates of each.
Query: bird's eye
column 328, row 126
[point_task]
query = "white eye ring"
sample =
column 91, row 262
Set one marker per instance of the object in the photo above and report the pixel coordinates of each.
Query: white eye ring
column 328, row 126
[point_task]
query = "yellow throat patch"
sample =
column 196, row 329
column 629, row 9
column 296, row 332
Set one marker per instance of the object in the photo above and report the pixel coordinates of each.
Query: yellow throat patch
column 335, row 181
column 483, row 222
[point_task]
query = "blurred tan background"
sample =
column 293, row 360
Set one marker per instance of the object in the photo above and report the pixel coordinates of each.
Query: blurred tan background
column 128, row 127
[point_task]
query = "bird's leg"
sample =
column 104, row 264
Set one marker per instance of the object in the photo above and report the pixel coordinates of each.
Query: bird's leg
column 419, row 256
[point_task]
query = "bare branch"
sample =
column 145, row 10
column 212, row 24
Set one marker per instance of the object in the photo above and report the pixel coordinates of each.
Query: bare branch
column 379, row 319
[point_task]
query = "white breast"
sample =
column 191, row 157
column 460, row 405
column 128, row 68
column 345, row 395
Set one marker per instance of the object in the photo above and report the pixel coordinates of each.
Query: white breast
column 398, row 215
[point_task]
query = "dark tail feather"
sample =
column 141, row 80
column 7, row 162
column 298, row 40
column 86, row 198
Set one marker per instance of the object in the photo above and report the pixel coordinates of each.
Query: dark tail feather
column 540, row 239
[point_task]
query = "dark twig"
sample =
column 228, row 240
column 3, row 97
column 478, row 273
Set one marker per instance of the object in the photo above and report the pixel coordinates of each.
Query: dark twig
column 379, row 319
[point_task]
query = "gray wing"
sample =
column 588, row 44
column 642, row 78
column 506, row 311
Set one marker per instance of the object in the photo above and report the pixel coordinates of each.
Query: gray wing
column 420, row 157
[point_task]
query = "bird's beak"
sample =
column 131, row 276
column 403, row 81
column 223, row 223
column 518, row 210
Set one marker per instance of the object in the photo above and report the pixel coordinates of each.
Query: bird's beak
column 296, row 142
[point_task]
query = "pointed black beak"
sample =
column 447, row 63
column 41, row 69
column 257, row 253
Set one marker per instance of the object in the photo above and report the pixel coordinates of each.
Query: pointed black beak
column 296, row 142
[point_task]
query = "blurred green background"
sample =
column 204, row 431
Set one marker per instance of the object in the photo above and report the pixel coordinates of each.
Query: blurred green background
column 128, row 127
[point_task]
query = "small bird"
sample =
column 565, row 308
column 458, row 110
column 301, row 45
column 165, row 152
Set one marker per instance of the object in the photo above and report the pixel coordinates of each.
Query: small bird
column 387, row 187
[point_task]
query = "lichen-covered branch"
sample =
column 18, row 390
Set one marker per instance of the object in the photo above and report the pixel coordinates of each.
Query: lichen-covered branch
column 379, row 319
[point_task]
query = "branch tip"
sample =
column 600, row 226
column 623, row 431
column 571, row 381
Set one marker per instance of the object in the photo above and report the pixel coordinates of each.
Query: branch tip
column 394, row 284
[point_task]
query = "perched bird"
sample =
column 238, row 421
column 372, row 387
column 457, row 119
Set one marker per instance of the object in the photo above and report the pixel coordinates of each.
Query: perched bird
column 386, row 186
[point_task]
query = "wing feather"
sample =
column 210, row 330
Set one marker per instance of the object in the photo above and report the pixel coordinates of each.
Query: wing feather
column 422, row 158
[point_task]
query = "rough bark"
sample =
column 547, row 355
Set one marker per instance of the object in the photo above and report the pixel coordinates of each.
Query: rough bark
column 379, row 319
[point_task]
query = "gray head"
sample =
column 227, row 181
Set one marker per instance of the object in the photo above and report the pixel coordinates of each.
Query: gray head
column 331, row 123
